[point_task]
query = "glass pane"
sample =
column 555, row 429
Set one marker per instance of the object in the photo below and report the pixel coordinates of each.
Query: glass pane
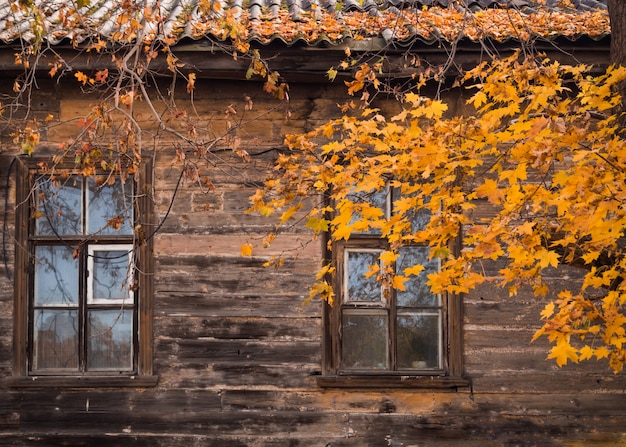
column 110, row 339
column 55, row 339
column 110, row 207
column 416, row 293
column 360, row 288
column 56, row 276
column 59, row 207
column 375, row 199
column 419, row 341
column 364, row 341
column 109, row 275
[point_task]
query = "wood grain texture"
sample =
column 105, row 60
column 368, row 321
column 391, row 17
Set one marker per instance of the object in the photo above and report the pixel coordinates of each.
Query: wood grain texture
column 238, row 357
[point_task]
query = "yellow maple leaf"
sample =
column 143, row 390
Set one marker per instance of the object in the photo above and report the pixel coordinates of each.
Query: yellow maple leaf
column 413, row 98
column 388, row 257
column 323, row 290
column 398, row 282
column 332, row 74
column 478, row 99
column 490, row 190
column 591, row 256
column 317, row 225
column 586, row 352
column 547, row 311
column 435, row 109
column 548, row 258
column 602, row 352
column 414, row 270
column 289, row 213
column 526, row 227
column 563, row 351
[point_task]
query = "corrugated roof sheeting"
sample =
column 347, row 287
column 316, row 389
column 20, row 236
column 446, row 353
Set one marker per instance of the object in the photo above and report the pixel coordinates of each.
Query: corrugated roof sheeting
column 311, row 21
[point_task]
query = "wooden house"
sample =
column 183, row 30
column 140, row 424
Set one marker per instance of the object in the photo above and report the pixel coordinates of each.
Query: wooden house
column 211, row 348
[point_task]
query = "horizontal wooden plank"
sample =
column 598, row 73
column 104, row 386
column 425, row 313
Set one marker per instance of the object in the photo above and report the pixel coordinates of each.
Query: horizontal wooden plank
column 232, row 328
column 212, row 351
column 167, row 420
column 287, row 245
column 224, row 170
column 180, row 303
column 236, row 374
column 294, row 439
column 528, row 361
column 94, row 438
column 494, row 337
column 536, row 382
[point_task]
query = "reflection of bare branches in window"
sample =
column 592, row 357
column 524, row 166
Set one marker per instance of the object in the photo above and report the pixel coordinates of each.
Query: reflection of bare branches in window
column 109, row 206
column 359, row 286
column 46, row 258
column 56, row 334
column 110, row 269
column 110, row 341
column 60, row 206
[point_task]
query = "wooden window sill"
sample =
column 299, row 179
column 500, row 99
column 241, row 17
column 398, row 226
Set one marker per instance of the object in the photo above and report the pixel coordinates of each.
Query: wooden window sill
column 393, row 381
column 83, row 382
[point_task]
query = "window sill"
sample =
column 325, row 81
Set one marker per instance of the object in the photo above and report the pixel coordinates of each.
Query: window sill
column 83, row 382
column 397, row 381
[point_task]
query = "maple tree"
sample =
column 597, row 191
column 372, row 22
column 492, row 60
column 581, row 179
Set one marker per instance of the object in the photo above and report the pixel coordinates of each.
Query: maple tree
column 536, row 134
column 541, row 144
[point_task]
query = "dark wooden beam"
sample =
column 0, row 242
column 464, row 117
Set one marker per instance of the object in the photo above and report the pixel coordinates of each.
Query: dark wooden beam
column 308, row 63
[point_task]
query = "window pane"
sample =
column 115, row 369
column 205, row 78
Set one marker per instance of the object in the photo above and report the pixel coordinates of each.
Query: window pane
column 110, row 339
column 59, row 206
column 109, row 274
column 55, row 336
column 419, row 218
column 416, row 293
column 360, row 288
column 56, row 276
column 364, row 341
column 419, row 341
column 109, row 203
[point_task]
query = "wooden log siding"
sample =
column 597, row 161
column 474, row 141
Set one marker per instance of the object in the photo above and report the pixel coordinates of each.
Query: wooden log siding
column 237, row 355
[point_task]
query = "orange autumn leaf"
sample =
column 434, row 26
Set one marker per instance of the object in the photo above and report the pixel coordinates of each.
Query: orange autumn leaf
column 82, row 77
column 246, row 250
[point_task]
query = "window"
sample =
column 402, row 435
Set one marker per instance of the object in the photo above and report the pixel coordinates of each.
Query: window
column 83, row 277
column 379, row 337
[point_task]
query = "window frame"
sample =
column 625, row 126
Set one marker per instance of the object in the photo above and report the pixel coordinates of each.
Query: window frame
column 143, row 374
column 449, row 376
column 93, row 248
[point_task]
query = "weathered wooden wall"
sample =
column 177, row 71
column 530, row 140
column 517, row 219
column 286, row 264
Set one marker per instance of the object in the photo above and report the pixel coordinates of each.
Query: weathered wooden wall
column 237, row 355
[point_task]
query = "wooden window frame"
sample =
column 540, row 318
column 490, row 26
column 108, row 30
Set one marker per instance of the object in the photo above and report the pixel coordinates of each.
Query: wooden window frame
column 449, row 377
column 143, row 375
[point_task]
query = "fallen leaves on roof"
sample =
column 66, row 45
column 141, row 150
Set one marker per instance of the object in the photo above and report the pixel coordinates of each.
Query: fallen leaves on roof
column 313, row 27
column 428, row 24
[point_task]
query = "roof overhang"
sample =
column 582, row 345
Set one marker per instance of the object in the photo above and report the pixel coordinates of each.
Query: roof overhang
column 301, row 63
